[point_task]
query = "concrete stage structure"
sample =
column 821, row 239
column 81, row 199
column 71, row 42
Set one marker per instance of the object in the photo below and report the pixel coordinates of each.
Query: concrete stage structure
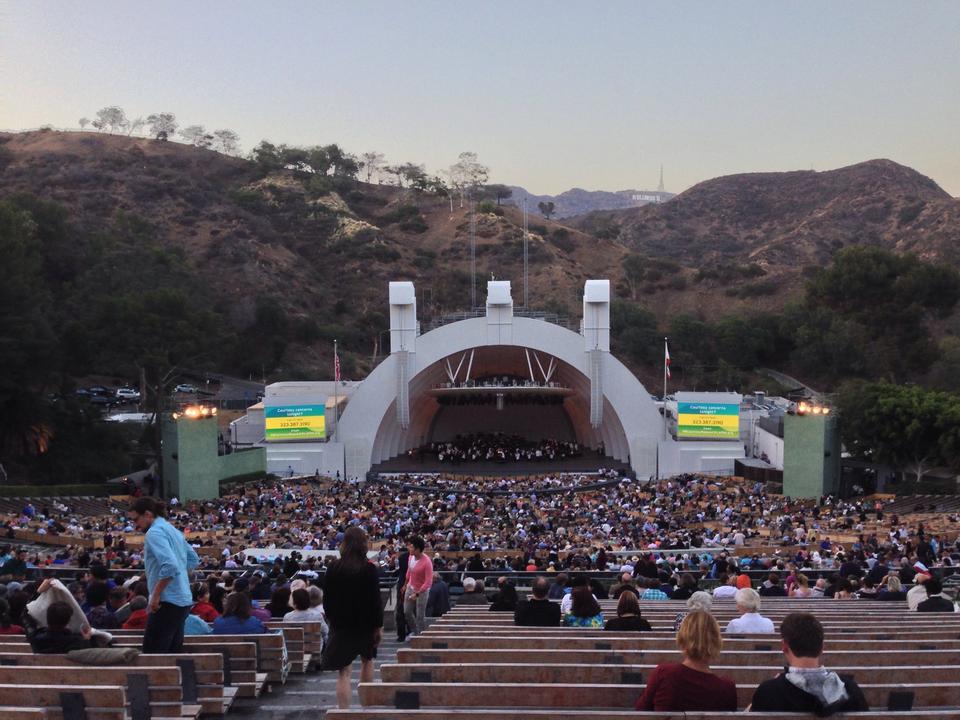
column 496, row 370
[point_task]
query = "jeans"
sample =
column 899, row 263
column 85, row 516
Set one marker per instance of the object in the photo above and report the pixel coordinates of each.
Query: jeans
column 415, row 610
column 164, row 633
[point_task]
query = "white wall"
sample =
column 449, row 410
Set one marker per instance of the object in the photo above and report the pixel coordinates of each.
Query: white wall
column 693, row 457
column 766, row 442
column 305, row 458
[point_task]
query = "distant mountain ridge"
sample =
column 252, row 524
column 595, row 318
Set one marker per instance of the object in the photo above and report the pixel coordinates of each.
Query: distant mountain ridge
column 578, row 201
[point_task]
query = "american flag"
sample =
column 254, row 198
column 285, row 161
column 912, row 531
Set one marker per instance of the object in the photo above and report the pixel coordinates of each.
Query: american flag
column 336, row 366
column 666, row 359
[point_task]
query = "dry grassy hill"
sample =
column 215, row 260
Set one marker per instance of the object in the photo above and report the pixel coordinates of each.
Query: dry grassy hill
column 325, row 255
column 322, row 255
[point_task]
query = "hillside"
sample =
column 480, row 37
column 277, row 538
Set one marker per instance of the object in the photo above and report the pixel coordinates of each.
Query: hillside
column 758, row 235
column 322, row 252
column 578, row 201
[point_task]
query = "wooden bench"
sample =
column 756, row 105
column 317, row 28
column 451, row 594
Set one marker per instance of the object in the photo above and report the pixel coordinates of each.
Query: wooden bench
column 771, row 658
column 630, row 674
column 608, row 714
column 312, row 637
column 586, row 695
column 67, row 701
column 150, row 691
column 651, row 641
column 202, row 675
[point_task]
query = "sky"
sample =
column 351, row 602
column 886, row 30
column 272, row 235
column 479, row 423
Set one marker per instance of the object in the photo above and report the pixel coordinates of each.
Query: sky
column 551, row 95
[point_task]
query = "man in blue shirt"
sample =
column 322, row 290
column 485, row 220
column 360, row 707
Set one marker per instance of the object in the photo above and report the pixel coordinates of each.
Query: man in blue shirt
column 167, row 559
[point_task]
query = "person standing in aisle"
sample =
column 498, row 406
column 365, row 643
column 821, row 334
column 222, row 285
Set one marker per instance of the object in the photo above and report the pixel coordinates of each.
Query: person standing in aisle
column 167, row 559
column 417, row 586
column 351, row 602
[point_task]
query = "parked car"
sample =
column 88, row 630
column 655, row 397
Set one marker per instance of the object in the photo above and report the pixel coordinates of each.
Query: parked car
column 100, row 390
column 185, row 388
column 127, row 394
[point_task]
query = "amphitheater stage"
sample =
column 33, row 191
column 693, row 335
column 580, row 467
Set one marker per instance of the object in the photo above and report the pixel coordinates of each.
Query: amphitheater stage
column 585, row 463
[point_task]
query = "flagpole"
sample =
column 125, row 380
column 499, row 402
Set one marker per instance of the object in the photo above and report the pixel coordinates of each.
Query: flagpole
column 664, row 396
column 336, row 396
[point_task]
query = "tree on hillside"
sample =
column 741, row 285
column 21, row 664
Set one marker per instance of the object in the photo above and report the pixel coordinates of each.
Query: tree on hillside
column 135, row 125
column 111, row 119
column 905, row 426
column 634, row 268
column 197, row 136
column 415, row 175
column 467, row 174
column 371, row 163
column 500, row 192
column 397, row 172
column 886, row 301
column 162, row 125
column 28, row 351
column 546, row 208
column 340, row 163
column 226, row 141
column 84, row 122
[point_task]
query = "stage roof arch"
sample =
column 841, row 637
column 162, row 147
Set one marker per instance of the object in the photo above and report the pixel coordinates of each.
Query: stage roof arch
column 395, row 407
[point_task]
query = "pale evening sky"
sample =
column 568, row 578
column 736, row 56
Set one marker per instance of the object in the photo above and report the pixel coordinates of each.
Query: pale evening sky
column 551, row 95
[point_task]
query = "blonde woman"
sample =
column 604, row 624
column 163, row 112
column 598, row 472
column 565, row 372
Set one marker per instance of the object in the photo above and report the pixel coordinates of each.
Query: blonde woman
column 690, row 684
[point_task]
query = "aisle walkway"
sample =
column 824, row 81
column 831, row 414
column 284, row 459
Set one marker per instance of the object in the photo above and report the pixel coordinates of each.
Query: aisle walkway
column 304, row 696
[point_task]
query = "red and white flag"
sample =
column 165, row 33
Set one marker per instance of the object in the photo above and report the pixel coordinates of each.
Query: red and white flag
column 666, row 359
column 336, row 366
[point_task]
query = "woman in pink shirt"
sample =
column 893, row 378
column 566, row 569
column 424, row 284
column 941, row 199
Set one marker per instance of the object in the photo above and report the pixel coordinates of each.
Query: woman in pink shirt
column 416, row 585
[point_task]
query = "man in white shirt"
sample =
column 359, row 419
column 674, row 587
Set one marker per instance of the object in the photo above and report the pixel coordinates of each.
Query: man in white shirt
column 750, row 621
column 727, row 587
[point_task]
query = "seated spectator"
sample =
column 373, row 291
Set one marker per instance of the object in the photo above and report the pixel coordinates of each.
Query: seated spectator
column 690, row 684
column 300, row 599
column 918, row 593
column 7, row 625
column 438, row 601
column 685, row 588
column 750, row 620
column 743, row 581
column 891, row 588
column 100, row 616
column 868, row 591
column 727, row 587
column 771, row 587
column 138, row 614
column 202, row 607
column 653, row 591
column 700, row 600
column 819, row 589
column 506, row 599
column 195, row 625
column 538, row 611
column 56, row 638
column 559, row 587
column 628, row 615
column 584, row 609
column 626, row 585
column 806, row 686
column 279, row 604
column 935, row 601
column 802, row 587
column 844, row 590
column 473, row 593
column 567, row 602
column 237, row 618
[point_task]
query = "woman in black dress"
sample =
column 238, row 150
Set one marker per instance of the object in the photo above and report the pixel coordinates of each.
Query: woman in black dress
column 351, row 601
column 628, row 615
